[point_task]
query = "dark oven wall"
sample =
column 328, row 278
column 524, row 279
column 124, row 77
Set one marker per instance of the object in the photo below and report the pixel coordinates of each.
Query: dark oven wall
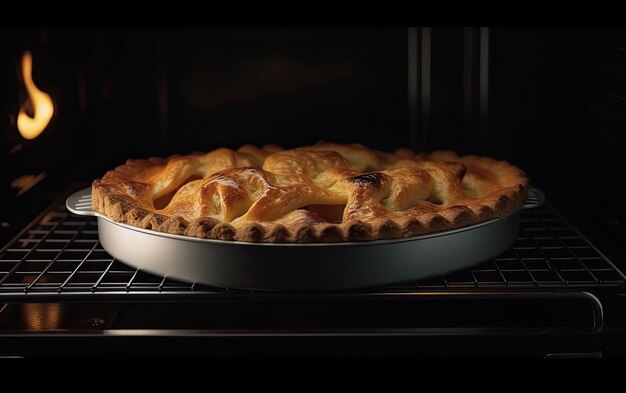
column 558, row 107
column 139, row 92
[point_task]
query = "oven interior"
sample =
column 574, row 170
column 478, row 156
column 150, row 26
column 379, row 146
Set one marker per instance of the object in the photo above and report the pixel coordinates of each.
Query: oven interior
column 550, row 101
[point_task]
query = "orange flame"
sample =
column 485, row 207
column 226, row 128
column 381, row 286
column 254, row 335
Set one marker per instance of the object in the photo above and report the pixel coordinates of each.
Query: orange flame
column 31, row 127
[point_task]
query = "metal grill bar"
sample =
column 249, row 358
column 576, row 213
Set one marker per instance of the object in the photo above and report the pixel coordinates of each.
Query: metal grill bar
column 532, row 277
column 14, row 269
column 60, row 253
column 63, row 247
column 78, row 267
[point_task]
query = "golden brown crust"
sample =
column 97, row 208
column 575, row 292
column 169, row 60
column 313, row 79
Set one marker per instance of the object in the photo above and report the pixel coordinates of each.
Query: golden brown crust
column 322, row 193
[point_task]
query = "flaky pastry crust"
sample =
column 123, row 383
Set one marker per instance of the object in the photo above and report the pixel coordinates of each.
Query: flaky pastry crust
column 326, row 192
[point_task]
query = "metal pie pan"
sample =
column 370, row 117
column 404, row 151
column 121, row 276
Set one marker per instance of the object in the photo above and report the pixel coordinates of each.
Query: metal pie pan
column 303, row 267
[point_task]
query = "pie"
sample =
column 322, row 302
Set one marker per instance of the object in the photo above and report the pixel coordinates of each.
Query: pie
column 327, row 192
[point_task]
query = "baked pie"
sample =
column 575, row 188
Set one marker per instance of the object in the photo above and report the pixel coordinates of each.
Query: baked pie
column 326, row 192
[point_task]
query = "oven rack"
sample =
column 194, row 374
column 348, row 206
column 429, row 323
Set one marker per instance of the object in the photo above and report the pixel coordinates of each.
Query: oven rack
column 59, row 253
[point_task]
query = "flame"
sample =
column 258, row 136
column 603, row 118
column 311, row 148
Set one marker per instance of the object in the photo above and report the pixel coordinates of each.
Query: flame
column 31, row 127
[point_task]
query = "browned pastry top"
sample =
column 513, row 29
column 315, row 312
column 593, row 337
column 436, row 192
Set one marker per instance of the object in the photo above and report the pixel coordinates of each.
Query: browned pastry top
column 322, row 193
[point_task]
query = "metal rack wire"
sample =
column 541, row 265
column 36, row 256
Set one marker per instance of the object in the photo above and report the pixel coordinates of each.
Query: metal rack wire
column 60, row 254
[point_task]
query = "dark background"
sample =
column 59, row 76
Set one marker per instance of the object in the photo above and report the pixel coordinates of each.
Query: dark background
column 556, row 99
